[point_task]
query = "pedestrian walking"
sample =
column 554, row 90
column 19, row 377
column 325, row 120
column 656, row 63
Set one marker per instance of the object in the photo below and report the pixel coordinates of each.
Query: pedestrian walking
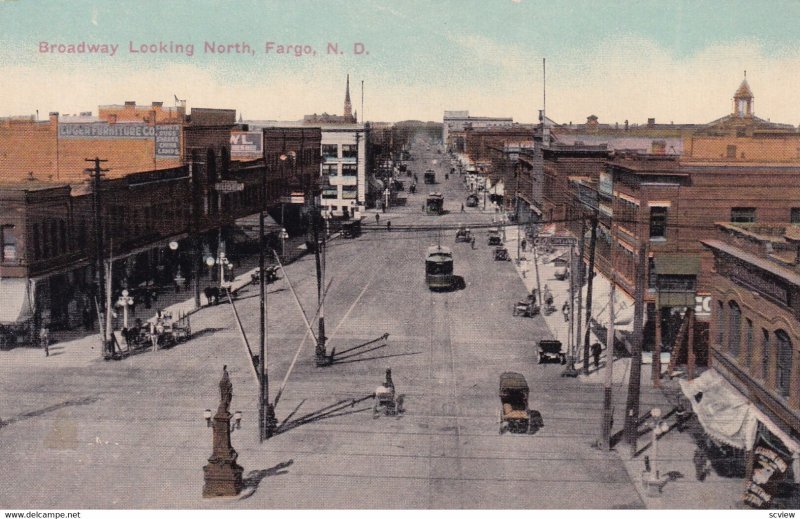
column 44, row 339
column 523, row 244
column 700, row 464
column 377, row 218
column 462, row 208
column 596, row 349
column 389, row 225
column 154, row 335
column 472, row 243
column 565, row 311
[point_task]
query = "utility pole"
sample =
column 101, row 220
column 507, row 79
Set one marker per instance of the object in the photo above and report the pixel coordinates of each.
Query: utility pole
column 581, row 270
column 263, row 396
column 321, row 355
column 608, row 408
column 194, row 239
column 592, row 244
column 635, row 377
column 570, row 370
column 96, row 174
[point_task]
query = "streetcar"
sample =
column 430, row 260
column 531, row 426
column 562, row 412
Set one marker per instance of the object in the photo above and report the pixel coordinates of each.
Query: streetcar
column 439, row 267
column 434, row 204
column 430, row 177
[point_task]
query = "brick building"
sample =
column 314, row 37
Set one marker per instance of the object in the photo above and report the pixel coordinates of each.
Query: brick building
column 755, row 330
column 670, row 203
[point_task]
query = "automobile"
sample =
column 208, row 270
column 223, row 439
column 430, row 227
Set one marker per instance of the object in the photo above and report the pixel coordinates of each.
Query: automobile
column 463, row 234
column 494, row 237
column 501, row 254
column 550, row 350
column 515, row 416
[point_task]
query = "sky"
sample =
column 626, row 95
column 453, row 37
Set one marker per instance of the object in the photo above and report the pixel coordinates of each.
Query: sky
column 676, row 60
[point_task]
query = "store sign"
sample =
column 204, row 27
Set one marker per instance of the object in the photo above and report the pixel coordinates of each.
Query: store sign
column 770, row 466
column 247, row 143
column 702, row 307
column 167, row 137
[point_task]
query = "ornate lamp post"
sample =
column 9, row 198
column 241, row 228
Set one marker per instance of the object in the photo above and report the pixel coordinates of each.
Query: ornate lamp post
column 125, row 301
column 652, row 479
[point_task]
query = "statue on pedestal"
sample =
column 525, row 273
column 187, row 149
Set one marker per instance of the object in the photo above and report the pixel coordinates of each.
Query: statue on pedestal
column 223, row 477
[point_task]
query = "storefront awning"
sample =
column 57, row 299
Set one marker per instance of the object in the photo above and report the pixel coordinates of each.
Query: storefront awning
column 723, row 412
column 677, row 264
column 601, row 297
column 728, row 416
column 15, row 301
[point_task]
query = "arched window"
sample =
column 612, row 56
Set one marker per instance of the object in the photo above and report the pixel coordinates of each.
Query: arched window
column 734, row 328
column 783, row 361
column 225, row 160
column 720, row 319
column 748, row 343
column 765, row 354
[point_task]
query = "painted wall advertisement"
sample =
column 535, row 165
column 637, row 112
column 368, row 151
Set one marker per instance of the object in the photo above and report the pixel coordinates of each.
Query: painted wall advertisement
column 167, row 137
column 247, row 143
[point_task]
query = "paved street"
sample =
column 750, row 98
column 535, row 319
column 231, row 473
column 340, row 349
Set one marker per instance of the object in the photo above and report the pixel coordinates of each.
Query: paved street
column 134, row 428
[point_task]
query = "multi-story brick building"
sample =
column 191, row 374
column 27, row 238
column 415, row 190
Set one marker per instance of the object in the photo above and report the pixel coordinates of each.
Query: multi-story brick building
column 670, row 203
column 456, row 122
column 755, row 333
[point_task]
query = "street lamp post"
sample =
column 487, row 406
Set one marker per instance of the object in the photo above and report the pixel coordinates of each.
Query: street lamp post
column 652, row 480
column 284, row 236
column 125, row 301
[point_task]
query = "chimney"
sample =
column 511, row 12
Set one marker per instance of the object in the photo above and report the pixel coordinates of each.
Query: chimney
column 53, row 117
column 651, row 121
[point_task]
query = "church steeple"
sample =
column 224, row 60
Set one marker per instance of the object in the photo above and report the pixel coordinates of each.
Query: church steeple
column 743, row 99
column 348, row 107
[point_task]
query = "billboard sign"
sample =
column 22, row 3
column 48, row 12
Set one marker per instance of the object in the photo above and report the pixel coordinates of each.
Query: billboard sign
column 247, row 143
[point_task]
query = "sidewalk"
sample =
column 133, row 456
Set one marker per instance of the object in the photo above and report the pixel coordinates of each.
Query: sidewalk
column 676, row 448
column 79, row 348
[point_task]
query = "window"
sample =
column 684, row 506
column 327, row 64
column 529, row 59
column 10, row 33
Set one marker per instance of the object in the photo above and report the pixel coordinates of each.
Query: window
column 783, row 358
column 734, row 328
column 748, row 343
column 765, row 353
column 743, row 214
column 349, row 151
column 350, row 192
column 731, row 151
column 794, row 215
column 62, row 235
column 652, row 277
column 349, row 170
column 658, row 222
column 330, row 151
column 330, row 192
column 720, row 322
column 9, row 243
column 37, row 245
column 330, row 170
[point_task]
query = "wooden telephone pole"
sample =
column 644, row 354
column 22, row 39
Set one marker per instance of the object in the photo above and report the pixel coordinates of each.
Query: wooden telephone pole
column 96, row 174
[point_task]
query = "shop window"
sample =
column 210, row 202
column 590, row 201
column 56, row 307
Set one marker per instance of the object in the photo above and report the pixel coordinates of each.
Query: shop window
column 9, row 240
column 783, row 359
column 658, row 222
column 743, row 214
column 734, row 328
column 765, row 355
